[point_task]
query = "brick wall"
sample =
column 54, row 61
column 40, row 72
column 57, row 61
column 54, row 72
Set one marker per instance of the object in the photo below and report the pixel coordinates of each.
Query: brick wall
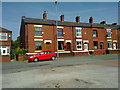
column 4, row 58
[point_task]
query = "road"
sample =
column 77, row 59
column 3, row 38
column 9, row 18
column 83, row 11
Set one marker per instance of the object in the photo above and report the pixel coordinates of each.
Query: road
column 100, row 71
column 11, row 67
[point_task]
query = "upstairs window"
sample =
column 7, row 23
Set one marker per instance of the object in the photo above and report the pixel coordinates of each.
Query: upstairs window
column 38, row 31
column 95, row 34
column 60, row 32
column 3, row 36
column 38, row 45
column 78, row 32
column 109, row 33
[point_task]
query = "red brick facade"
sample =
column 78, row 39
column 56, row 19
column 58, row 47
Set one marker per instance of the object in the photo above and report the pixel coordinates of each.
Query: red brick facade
column 5, row 47
column 70, row 43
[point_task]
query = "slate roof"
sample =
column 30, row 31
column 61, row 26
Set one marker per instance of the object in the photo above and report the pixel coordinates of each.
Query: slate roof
column 66, row 23
column 5, row 30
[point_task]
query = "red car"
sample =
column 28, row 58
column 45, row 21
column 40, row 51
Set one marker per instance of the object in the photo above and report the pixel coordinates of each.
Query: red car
column 43, row 55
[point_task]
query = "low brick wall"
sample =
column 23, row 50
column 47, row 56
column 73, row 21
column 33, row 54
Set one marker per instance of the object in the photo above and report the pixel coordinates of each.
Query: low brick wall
column 4, row 58
column 99, row 52
column 81, row 53
column 114, row 51
column 22, row 57
column 65, row 54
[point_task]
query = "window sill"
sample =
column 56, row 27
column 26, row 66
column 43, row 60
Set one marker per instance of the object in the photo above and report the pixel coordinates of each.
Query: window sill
column 110, row 48
column 38, row 51
column 109, row 37
column 38, row 36
column 78, row 36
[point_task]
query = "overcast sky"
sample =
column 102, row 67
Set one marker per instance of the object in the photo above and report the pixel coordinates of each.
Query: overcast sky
column 13, row 11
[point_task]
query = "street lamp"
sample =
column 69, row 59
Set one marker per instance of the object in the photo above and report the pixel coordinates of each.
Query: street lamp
column 56, row 27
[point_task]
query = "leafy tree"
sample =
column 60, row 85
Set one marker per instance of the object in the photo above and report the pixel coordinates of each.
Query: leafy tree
column 16, row 48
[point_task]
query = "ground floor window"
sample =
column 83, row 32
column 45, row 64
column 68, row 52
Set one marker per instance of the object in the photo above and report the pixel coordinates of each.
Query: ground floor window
column 109, row 44
column 101, row 45
column 38, row 45
column 79, row 45
column 95, row 44
column 60, row 45
column 4, row 50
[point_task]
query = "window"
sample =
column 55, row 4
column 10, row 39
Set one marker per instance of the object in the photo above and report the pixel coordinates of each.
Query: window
column 79, row 32
column 3, row 36
column 95, row 33
column 101, row 45
column 60, row 45
column 79, row 45
column 59, row 32
column 109, row 44
column 95, row 43
column 38, row 31
column 108, row 33
column 38, row 45
column 4, row 50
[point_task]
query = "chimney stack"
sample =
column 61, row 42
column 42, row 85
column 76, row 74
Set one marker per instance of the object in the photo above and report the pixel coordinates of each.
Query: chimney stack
column 91, row 20
column 45, row 15
column 62, row 18
column 103, row 22
column 114, row 23
column 78, row 19
column 23, row 17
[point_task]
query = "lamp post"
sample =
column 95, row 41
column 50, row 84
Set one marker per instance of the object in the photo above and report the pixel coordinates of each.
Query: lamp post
column 56, row 27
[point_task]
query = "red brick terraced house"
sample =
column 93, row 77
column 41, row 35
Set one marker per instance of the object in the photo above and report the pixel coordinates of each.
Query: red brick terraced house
column 69, row 38
column 5, row 44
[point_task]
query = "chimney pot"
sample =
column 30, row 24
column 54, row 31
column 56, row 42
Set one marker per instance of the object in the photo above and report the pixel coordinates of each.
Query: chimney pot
column 23, row 17
column 103, row 22
column 62, row 18
column 45, row 15
column 114, row 23
column 91, row 20
column 78, row 19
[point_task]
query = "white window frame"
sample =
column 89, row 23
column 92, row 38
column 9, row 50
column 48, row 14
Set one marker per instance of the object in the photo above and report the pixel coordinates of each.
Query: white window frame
column 78, row 34
column 110, row 33
column 79, row 40
column 4, row 35
column 111, row 44
column 6, row 50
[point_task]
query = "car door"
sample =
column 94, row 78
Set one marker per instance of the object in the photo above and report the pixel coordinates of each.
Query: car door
column 42, row 55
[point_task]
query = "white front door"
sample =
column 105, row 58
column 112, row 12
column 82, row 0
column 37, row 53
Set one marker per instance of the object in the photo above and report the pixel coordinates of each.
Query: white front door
column 86, row 46
column 114, row 45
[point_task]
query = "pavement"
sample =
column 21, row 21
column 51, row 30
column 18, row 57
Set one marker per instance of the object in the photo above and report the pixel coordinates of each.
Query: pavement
column 99, row 71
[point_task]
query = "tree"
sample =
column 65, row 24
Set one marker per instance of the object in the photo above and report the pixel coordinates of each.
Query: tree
column 16, row 48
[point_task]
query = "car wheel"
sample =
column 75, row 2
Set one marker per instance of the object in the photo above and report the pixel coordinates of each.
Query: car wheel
column 36, row 59
column 53, row 58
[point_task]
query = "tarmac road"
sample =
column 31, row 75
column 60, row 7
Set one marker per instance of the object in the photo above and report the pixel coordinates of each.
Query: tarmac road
column 70, row 72
column 11, row 67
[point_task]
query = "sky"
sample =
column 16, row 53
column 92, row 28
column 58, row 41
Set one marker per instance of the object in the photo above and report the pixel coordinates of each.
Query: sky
column 13, row 11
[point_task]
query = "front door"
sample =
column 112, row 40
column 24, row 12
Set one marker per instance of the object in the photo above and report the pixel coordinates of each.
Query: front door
column 86, row 46
column 48, row 46
column 114, row 45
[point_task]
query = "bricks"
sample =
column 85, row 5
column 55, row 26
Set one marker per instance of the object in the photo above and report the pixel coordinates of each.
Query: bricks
column 5, row 46
column 49, row 33
column 4, row 58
